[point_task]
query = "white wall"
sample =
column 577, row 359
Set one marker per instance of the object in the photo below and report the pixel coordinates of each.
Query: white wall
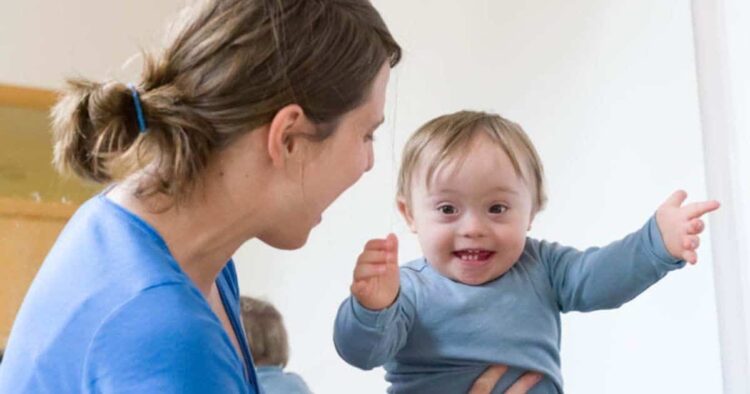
column 607, row 91
column 43, row 41
column 721, row 29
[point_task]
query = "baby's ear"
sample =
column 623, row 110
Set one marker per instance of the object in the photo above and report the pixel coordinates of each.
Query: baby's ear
column 531, row 220
column 403, row 207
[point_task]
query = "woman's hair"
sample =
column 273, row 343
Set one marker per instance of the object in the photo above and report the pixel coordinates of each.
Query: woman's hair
column 229, row 67
column 265, row 332
column 449, row 137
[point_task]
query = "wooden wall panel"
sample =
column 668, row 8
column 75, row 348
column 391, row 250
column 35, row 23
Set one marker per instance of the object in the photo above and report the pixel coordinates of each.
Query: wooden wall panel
column 27, row 231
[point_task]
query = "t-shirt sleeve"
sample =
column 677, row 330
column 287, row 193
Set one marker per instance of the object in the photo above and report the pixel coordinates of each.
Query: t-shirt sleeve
column 163, row 341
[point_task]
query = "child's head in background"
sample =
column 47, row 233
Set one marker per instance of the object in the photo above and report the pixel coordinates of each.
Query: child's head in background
column 470, row 185
column 264, row 328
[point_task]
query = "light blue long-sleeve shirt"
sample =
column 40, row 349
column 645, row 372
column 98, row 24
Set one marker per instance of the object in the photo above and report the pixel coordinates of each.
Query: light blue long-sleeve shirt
column 440, row 335
column 110, row 311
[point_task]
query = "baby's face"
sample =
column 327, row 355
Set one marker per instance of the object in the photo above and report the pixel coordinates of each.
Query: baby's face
column 472, row 219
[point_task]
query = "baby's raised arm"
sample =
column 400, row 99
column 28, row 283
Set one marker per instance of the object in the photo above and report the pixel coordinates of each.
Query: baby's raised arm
column 373, row 323
column 607, row 277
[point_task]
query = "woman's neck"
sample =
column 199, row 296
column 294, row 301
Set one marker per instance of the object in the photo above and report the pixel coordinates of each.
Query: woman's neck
column 202, row 232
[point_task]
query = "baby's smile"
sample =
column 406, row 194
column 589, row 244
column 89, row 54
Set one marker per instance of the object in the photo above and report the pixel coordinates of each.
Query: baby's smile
column 474, row 255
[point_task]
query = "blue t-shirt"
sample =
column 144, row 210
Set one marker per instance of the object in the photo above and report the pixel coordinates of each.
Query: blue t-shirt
column 274, row 380
column 110, row 310
column 440, row 335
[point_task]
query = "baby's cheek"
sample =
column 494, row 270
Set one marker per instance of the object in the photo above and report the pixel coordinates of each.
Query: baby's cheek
column 433, row 246
column 513, row 245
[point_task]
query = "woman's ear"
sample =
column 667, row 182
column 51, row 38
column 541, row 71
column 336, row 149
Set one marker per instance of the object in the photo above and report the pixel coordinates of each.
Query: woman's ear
column 284, row 133
column 403, row 207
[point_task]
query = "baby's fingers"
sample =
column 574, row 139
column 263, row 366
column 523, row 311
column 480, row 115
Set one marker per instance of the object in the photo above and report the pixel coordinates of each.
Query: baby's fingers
column 696, row 226
column 691, row 242
column 372, row 256
column 676, row 199
column 698, row 209
column 376, row 244
column 690, row 256
column 364, row 271
column 360, row 288
column 392, row 245
column 370, row 263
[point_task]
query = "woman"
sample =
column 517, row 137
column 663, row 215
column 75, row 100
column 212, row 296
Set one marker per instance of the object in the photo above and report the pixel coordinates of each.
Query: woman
column 250, row 123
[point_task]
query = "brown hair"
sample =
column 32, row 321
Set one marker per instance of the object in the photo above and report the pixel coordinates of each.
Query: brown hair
column 229, row 67
column 264, row 328
column 449, row 137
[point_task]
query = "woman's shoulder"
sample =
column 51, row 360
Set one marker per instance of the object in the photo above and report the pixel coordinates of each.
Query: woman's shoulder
column 160, row 311
column 162, row 307
column 109, row 250
column 161, row 334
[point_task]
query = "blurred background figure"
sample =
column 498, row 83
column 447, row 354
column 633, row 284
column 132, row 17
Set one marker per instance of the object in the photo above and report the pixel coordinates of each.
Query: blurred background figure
column 264, row 328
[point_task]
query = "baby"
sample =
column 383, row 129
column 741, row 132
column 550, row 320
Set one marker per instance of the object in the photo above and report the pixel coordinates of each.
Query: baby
column 484, row 293
column 264, row 328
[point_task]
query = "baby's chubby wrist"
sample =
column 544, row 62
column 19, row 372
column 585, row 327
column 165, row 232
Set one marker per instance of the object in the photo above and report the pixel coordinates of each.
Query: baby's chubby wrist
column 378, row 305
column 657, row 245
column 376, row 318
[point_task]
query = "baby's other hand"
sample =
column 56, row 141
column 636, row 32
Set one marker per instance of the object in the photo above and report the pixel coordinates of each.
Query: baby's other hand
column 376, row 278
column 680, row 225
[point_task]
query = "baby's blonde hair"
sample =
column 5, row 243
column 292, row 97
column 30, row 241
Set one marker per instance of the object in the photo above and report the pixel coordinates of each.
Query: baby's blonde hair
column 449, row 137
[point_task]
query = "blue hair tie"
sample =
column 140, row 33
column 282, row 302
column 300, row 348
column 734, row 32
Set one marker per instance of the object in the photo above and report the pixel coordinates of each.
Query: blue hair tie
column 138, row 109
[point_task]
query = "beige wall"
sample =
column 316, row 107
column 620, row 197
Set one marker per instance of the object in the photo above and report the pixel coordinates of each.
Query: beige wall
column 41, row 41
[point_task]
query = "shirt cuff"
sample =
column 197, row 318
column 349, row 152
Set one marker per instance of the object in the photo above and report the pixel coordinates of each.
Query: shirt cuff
column 371, row 318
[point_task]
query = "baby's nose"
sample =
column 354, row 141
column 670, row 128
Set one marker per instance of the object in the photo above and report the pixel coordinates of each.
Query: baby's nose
column 473, row 226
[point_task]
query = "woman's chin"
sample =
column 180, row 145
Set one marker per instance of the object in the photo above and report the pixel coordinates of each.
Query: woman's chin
column 286, row 242
column 291, row 238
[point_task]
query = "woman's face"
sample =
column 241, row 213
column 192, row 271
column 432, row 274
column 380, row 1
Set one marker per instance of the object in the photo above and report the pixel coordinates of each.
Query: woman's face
column 333, row 166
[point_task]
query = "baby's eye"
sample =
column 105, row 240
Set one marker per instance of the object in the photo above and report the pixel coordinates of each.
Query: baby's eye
column 447, row 209
column 498, row 208
column 370, row 137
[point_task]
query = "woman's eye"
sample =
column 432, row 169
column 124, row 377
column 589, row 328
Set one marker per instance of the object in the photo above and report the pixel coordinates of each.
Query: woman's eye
column 447, row 209
column 498, row 208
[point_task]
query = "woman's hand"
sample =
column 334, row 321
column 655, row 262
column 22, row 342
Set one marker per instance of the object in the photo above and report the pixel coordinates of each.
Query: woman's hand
column 681, row 225
column 376, row 278
column 489, row 378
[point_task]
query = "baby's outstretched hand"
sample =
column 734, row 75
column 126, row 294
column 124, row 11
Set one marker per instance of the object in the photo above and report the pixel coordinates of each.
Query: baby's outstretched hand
column 681, row 225
column 376, row 279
